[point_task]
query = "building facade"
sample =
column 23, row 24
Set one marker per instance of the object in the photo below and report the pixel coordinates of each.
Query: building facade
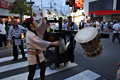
column 4, row 11
column 108, row 10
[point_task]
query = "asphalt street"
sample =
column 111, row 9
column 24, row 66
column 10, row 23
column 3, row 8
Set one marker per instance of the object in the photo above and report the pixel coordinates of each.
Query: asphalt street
column 105, row 65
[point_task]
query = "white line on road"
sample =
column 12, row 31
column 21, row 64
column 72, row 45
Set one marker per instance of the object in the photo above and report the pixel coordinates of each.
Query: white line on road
column 86, row 75
column 23, row 76
column 4, row 51
column 9, row 58
column 13, row 66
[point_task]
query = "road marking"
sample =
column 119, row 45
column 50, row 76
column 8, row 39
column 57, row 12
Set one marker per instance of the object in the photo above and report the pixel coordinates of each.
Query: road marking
column 4, row 51
column 85, row 75
column 24, row 76
column 13, row 66
column 9, row 58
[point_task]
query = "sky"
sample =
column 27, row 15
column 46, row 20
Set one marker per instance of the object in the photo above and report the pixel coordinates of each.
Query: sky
column 46, row 3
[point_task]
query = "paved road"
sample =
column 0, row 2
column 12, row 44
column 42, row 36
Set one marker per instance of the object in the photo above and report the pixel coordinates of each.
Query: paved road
column 102, row 67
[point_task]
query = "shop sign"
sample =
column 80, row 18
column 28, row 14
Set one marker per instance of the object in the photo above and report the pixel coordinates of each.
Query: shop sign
column 5, row 4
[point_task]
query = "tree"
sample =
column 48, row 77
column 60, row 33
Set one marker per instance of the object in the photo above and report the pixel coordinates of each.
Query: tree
column 20, row 7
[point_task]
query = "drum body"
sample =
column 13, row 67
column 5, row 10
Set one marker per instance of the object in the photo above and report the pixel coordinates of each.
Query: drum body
column 89, row 38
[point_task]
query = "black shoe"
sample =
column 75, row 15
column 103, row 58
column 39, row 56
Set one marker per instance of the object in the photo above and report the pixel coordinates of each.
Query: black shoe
column 24, row 57
column 14, row 59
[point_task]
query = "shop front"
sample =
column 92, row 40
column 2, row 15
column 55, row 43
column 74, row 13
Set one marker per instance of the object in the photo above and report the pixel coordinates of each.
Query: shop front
column 4, row 11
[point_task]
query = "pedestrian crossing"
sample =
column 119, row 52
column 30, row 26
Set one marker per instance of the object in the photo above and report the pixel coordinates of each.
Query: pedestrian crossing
column 15, row 67
column 9, row 58
column 85, row 75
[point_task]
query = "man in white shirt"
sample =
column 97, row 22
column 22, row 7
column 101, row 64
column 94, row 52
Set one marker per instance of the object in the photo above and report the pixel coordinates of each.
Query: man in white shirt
column 63, row 25
column 81, row 24
column 116, row 30
column 2, row 34
column 98, row 25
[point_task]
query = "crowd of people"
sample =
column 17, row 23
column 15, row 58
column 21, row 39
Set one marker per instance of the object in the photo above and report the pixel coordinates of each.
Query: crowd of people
column 102, row 26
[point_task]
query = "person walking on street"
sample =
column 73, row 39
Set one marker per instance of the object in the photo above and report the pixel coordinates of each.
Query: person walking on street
column 98, row 25
column 15, row 39
column 81, row 24
column 2, row 34
column 116, row 30
column 7, row 27
column 64, row 22
column 36, row 46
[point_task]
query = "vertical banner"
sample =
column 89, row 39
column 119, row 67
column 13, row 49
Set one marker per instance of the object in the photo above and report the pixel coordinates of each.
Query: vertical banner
column 3, row 2
column 79, row 3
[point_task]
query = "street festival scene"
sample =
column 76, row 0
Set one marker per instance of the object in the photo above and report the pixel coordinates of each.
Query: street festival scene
column 59, row 39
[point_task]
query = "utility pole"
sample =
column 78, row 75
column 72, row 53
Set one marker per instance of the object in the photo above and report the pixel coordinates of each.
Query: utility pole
column 31, row 3
column 31, row 8
column 41, row 4
column 50, row 5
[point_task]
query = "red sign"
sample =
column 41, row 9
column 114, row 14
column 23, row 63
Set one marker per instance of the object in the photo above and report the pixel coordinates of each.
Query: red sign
column 5, row 4
column 79, row 3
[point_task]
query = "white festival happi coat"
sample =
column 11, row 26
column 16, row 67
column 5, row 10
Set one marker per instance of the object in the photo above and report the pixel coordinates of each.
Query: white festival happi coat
column 35, row 42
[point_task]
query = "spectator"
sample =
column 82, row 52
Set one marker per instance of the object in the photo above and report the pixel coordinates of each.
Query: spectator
column 109, row 26
column 81, row 24
column 64, row 22
column 7, row 27
column 116, row 29
column 104, row 26
column 2, row 34
column 15, row 39
column 71, row 25
column 98, row 25
column 87, row 23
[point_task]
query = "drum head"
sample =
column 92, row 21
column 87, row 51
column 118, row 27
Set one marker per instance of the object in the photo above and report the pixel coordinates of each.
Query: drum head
column 87, row 34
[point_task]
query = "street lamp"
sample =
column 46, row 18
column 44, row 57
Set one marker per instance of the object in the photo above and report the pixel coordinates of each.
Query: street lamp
column 41, row 4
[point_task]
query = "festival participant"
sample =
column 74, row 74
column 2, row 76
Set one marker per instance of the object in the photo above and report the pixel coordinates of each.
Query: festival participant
column 36, row 46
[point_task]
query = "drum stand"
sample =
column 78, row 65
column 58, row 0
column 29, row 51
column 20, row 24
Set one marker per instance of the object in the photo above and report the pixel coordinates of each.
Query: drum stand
column 52, row 53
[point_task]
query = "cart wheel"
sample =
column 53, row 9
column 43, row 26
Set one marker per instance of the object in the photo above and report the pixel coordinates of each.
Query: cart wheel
column 65, row 63
column 52, row 66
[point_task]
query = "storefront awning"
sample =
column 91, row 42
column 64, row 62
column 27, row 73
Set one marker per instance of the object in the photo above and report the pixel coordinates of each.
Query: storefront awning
column 109, row 12
column 5, row 12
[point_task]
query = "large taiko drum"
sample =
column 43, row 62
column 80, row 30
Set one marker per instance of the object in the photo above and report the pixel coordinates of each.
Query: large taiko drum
column 89, row 38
